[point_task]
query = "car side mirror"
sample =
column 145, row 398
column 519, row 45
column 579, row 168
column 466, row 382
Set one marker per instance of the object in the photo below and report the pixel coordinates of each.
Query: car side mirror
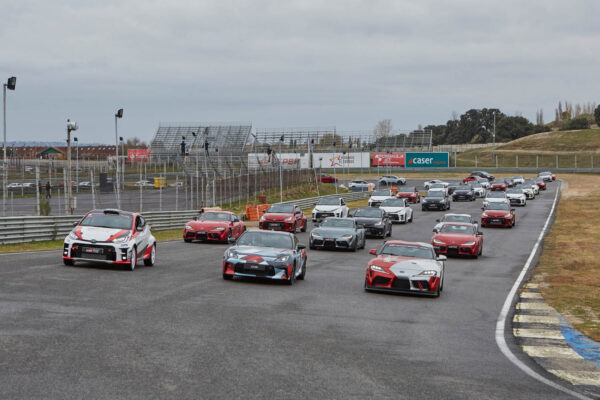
column 231, row 240
column 360, row 227
column 139, row 228
column 435, row 230
column 373, row 251
column 263, row 211
column 442, row 257
column 195, row 218
column 480, row 233
column 512, row 209
column 75, row 223
column 301, row 246
column 437, row 220
column 482, row 208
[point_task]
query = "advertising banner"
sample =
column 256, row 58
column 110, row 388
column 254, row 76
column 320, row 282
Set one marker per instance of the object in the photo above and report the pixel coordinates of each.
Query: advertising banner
column 137, row 155
column 288, row 160
column 388, row 159
column 427, row 160
column 340, row 160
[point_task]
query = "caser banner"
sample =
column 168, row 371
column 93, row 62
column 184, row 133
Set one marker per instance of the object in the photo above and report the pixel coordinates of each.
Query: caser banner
column 340, row 160
column 388, row 159
column 288, row 160
column 427, row 160
column 137, row 155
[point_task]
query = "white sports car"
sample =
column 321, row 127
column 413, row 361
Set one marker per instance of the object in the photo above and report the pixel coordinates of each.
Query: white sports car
column 397, row 210
column 329, row 207
column 434, row 181
column 516, row 197
column 378, row 196
column 110, row 237
column 495, row 197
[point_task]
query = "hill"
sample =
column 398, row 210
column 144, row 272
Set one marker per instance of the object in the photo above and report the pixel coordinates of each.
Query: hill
column 587, row 140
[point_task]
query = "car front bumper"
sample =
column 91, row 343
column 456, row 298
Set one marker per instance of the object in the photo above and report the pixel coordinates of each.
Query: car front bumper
column 205, row 236
column 235, row 267
column 456, row 250
column 277, row 226
column 101, row 252
column 496, row 221
column 331, row 243
column 378, row 281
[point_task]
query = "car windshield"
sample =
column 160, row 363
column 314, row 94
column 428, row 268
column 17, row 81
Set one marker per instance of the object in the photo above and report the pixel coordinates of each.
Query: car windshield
column 498, row 206
column 369, row 212
column 437, row 185
column 329, row 201
column 215, row 216
column 265, row 239
column 405, row 250
column 113, row 221
column 382, row 193
column 515, row 191
column 435, row 193
column 338, row 223
column 281, row 208
column 496, row 195
column 517, row 177
column 359, row 182
column 393, row 203
column 464, row 187
column 450, row 228
column 457, row 218
column 476, row 185
column 407, row 190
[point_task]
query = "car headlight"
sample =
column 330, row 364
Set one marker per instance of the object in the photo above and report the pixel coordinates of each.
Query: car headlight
column 485, row 215
column 507, row 215
column 380, row 223
column 121, row 238
column 428, row 272
column 189, row 228
column 219, row 229
column 438, row 241
column 289, row 219
column 377, row 268
column 346, row 237
column 263, row 219
column 316, row 235
column 282, row 259
column 469, row 243
column 424, row 200
column 230, row 254
column 73, row 235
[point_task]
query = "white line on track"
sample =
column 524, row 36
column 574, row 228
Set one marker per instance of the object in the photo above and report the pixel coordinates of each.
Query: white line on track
column 501, row 321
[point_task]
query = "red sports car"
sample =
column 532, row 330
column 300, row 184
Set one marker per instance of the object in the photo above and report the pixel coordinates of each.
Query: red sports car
column 283, row 217
column 410, row 193
column 328, row 178
column 500, row 185
column 470, row 179
column 405, row 267
column 458, row 239
column 498, row 214
column 211, row 226
column 540, row 182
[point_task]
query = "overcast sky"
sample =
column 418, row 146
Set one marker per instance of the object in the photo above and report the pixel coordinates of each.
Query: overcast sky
column 289, row 63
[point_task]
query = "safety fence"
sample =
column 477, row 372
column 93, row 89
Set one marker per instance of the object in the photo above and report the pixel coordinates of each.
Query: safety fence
column 31, row 229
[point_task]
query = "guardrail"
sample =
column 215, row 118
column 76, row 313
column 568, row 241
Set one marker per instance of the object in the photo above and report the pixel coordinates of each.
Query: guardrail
column 32, row 229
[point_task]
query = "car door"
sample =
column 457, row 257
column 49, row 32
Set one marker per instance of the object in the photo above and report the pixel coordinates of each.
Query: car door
column 141, row 233
column 237, row 226
column 344, row 213
column 298, row 217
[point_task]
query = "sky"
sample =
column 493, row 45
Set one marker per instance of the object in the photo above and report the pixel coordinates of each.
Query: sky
column 286, row 64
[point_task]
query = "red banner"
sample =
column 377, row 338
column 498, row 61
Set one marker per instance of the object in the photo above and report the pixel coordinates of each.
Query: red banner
column 394, row 159
column 137, row 155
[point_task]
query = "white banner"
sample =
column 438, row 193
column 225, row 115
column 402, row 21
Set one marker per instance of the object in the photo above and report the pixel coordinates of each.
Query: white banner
column 340, row 160
column 288, row 160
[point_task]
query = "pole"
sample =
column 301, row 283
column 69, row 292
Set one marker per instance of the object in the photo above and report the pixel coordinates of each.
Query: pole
column 141, row 191
column 280, row 175
column 123, row 169
column 117, row 186
column 92, row 185
column 77, row 166
column 494, row 135
column 177, row 193
column 37, row 189
column 4, row 166
column 65, row 191
column 69, row 189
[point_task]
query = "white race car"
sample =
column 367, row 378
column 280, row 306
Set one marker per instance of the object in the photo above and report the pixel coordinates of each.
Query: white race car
column 518, row 180
column 495, row 197
column 484, row 182
column 397, row 210
column 516, row 197
column 359, row 185
column 478, row 189
column 428, row 184
column 329, row 207
column 378, row 196
column 110, row 237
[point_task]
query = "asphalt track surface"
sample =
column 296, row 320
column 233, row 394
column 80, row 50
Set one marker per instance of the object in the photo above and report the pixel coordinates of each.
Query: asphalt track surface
column 178, row 330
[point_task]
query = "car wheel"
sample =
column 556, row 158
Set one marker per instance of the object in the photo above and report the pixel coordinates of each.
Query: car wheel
column 355, row 245
column 227, row 277
column 448, row 206
column 292, row 277
column 437, row 292
column 389, row 232
column 294, row 228
column 422, row 208
column 70, row 263
column 411, row 218
column 228, row 236
column 133, row 261
column 150, row 260
column 304, row 227
column 442, row 283
column 366, row 286
column 187, row 240
column 364, row 242
column 303, row 273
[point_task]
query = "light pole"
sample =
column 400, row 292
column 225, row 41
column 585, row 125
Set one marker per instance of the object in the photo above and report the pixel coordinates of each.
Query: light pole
column 10, row 85
column 123, row 165
column 494, row 136
column 76, row 162
column 71, row 126
column 118, row 115
column 280, row 171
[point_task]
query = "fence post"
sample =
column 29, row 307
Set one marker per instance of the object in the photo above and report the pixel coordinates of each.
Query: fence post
column 37, row 188
column 93, row 188
column 591, row 161
column 557, row 161
column 141, row 192
column 475, row 160
column 516, row 160
column 575, row 161
column 537, row 161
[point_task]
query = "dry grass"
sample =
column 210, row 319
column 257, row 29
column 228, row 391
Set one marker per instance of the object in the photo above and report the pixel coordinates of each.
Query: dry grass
column 569, row 270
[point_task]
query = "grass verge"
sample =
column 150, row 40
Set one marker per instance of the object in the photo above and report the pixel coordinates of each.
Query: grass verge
column 568, row 271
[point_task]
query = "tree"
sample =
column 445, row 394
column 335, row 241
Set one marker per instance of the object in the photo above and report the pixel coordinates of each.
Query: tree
column 383, row 129
column 597, row 115
column 135, row 142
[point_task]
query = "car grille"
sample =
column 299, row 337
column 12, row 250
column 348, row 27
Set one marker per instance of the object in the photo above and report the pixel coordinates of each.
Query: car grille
column 424, row 285
column 375, row 203
column 254, row 269
column 393, row 217
column 93, row 252
column 274, row 225
column 401, row 283
column 323, row 215
column 380, row 280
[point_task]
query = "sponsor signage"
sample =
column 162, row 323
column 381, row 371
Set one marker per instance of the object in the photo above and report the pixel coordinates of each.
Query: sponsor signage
column 288, row 160
column 137, row 155
column 388, row 159
column 427, row 160
column 340, row 160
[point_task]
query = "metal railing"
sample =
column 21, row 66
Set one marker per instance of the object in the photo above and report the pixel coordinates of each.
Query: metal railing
column 33, row 229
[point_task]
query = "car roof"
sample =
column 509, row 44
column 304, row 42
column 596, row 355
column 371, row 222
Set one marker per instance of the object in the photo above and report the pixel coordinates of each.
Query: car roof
column 219, row 211
column 458, row 223
column 112, row 211
column 265, row 232
column 457, row 215
column 428, row 245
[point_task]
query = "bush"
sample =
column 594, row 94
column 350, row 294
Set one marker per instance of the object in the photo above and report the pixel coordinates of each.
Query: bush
column 541, row 128
column 576, row 123
column 597, row 115
column 45, row 208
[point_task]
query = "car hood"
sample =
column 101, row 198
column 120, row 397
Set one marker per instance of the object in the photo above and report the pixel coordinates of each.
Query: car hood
column 434, row 199
column 207, row 225
column 366, row 221
column 454, row 238
column 256, row 254
column 408, row 265
column 406, row 194
column 392, row 209
column 514, row 195
column 98, row 234
column 326, row 208
column 380, row 198
column 495, row 199
column 276, row 216
column 331, row 232
column 496, row 213
column 462, row 191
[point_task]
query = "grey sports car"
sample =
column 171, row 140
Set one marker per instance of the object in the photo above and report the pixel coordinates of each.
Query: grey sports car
column 338, row 233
